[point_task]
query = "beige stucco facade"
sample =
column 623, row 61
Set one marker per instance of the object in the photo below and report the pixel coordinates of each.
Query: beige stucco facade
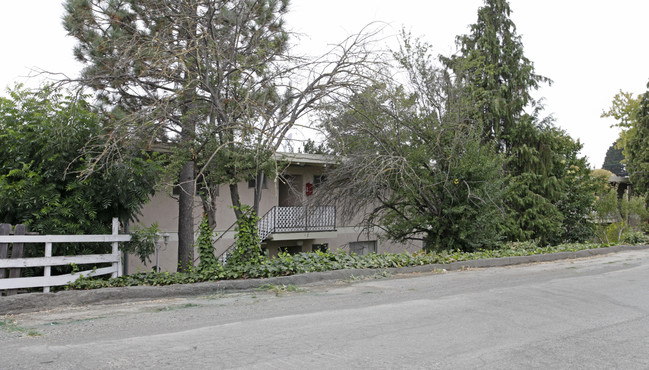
column 289, row 190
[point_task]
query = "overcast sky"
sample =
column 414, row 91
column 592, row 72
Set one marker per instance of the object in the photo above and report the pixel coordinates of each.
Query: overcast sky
column 590, row 48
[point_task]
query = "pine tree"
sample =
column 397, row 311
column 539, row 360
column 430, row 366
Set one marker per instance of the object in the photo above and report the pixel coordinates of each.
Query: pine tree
column 613, row 161
column 212, row 77
column 542, row 167
column 498, row 76
column 172, row 71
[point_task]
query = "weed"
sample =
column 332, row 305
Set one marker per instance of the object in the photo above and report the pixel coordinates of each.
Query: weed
column 10, row 326
column 353, row 278
column 281, row 289
column 376, row 276
column 169, row 308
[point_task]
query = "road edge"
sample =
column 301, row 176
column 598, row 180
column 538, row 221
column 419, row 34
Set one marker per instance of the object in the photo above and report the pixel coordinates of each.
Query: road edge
column 34, row 302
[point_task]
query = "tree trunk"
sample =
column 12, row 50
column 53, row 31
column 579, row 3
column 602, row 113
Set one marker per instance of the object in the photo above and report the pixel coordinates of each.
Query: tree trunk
column 186, row 218
column 207, row 197
column 236, row 201
column 259, row 187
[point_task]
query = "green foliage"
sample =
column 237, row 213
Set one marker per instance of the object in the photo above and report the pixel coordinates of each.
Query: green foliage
column 10, row 326
column 614, row 161
column 311, row 147
column 619, row 218
column 550, row 191
column 43, row 135
column 247, row 249
column 278, row 290
column 635, row 238
column 142, row 242
column 624, row 109
column 493, row 68
column 205, row 244
column 636, row 149
column 209, row 77
column 413, row 162
column 467, row 215
column 301, row 263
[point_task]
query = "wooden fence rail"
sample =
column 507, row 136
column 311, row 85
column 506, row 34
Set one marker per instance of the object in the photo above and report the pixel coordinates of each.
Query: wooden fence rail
column 47, row 280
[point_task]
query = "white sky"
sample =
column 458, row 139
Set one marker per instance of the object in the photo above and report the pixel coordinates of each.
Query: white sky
column 590, row 48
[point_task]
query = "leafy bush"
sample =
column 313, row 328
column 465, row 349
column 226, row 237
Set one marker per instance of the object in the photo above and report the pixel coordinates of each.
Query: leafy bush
column 142, row 242
column 617, row 217
column 635, row 237
column 205, row 244
column 248, row 246
column 285, row 265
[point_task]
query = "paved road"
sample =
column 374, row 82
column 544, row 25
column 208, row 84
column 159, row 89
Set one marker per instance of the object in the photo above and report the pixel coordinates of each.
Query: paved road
column 586, row 313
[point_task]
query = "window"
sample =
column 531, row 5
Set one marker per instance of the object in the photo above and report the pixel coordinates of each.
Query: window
column 292, row 249
column 320, row 247
column 252, row 183
column 318, row 180
column 362, row 248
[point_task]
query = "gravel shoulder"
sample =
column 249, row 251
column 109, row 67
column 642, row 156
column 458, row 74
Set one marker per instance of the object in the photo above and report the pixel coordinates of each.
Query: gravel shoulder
column 35, row 302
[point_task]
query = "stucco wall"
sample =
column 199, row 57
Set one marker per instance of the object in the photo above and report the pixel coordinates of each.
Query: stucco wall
column 163, row 209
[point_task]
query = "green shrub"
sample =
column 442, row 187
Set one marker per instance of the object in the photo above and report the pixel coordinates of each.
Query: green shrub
column 285, row 264
column 205, row 244
column 635, row 237
column 247, row 250
column 142, row 242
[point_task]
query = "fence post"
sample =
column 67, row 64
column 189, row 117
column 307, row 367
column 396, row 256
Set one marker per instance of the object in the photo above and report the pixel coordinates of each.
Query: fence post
column 17, row 251
column 48, row 269
column 5, row 229
column 117, row 265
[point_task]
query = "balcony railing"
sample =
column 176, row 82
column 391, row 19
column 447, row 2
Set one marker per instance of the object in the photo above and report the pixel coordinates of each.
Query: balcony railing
column 291, row 220
column 297, row 219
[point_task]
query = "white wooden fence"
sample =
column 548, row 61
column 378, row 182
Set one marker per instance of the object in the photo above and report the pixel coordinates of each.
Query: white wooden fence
column 48, row 261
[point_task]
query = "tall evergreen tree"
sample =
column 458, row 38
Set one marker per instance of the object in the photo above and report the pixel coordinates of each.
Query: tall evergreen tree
column 542, row 166
column 613, row 161
column 494, row 69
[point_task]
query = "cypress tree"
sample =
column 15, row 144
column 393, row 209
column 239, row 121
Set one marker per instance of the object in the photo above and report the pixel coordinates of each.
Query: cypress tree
column 499, row 78
column 542, row 164
column 613, row 161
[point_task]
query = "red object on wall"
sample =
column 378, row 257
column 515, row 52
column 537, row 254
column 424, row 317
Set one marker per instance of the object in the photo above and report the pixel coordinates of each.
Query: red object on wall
column 309, row 188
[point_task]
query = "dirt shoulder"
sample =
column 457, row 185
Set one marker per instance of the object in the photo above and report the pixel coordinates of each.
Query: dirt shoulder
column 34, row 302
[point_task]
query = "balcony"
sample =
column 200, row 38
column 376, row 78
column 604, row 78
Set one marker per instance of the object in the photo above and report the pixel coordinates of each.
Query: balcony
column 293, row 223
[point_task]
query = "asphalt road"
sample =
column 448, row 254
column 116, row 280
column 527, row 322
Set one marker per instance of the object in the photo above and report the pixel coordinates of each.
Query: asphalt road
column 573, row 314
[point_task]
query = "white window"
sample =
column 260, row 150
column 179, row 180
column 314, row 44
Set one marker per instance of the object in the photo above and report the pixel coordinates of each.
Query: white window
column 363, row 248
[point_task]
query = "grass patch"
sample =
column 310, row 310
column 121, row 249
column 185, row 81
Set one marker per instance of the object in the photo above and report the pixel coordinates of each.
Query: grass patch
column 179, row 307
column 281, row 289
column 10, row 326
column 379, row 275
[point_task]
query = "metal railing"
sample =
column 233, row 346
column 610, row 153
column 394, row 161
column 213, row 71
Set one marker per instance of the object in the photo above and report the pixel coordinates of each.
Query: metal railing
column 297, row 219
column 292, row 219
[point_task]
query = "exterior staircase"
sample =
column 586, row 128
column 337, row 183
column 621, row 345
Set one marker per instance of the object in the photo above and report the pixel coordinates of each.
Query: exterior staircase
column 292, row 220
